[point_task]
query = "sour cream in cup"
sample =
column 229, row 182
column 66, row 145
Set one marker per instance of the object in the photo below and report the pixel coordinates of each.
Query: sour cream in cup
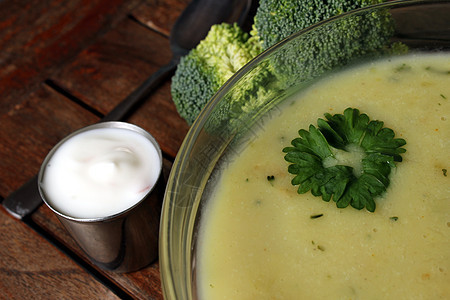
column 100, row 172
column 102, row 183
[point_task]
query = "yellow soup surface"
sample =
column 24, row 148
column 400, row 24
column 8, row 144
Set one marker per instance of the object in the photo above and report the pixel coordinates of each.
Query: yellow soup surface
column 259, row 238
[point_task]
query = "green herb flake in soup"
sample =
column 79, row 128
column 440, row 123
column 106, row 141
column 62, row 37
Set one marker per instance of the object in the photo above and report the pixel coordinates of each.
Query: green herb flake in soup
column 292, row 246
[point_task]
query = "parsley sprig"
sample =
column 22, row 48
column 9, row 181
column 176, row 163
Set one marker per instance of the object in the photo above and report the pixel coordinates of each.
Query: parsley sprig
column 339, row 182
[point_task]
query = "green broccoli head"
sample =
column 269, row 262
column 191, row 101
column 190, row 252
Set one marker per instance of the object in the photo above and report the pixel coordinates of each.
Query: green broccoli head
column 206, row 68
column 277, row 19
column 227, row 48
column 332, row 45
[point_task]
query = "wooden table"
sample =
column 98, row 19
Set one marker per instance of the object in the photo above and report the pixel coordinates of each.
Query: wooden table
column 63, row 65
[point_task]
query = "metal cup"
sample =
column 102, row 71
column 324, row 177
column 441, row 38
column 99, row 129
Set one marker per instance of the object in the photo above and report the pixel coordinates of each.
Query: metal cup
column 123, row 242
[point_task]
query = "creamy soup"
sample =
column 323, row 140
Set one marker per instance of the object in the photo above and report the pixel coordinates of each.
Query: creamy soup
column 260, row 239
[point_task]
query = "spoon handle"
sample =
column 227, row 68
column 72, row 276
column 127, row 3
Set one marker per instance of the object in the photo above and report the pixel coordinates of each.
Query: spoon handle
column 130, row 103
column 24, row 200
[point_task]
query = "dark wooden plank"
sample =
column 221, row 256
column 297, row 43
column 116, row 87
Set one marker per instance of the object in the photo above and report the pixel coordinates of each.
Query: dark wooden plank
column 142, row 284
column 106, row 72
column 160, row 15
column 36, row 36
column 74, row 43
column 23, row 107
column 158, row 116
column 32, row 268
column 30, row 129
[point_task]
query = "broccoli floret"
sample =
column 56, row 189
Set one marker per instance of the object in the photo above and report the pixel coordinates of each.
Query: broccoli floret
column 249, row 96
column 277, row 19
column 333, row 45
column 227, row 48
column 199, row 75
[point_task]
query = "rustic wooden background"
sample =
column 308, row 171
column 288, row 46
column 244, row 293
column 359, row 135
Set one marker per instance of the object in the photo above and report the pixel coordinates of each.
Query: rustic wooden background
column 63, row 65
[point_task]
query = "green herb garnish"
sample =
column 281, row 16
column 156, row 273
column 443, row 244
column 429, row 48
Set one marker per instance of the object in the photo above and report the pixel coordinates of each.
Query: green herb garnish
column 403, row 67
column 316, row 216
column 312, row 151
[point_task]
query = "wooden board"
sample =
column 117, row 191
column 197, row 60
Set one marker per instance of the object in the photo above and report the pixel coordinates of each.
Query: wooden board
column 38, row 36
column 30, row 129
column 32, row 268
column 63, row 64
column 107, row 71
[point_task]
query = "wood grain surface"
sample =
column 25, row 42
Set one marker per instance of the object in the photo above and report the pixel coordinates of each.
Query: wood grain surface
column 32, row 268
column 63, row 65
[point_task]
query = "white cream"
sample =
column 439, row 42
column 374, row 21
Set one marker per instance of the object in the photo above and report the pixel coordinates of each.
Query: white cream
column 100, row 172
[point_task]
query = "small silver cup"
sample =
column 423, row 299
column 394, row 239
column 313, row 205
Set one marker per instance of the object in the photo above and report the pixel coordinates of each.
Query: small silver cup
column 123, row 242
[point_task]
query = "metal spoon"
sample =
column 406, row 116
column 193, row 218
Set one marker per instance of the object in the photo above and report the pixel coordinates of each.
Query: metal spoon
column 190, row 28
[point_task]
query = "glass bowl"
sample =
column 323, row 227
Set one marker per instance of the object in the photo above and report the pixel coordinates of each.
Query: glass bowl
column 222, row 128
